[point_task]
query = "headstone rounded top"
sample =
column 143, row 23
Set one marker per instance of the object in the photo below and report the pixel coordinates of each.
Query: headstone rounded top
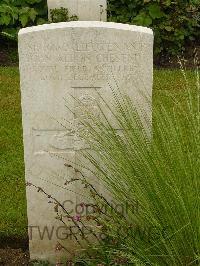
column 86, row 24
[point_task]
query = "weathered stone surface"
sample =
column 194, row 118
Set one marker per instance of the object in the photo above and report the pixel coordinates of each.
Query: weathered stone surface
column 82, row 59
column 86, row 10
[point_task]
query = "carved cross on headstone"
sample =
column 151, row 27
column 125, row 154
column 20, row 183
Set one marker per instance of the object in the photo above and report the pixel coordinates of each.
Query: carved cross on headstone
column 86, row 10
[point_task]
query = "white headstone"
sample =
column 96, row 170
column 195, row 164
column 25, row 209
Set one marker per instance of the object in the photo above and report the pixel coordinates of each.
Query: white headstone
column 86, row 10
column 82, row 59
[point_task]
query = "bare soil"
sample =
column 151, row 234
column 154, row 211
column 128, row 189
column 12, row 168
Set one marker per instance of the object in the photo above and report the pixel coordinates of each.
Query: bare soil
column 8, row 53
column 15, row 257
column 186, row 58
column 14, row 252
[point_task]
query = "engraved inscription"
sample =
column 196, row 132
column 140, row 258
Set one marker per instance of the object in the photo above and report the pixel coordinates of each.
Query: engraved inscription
column 77, row 60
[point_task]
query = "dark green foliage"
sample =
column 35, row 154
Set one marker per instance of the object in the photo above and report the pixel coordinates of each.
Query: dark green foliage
column 176, row 24
column 61, row 15
column 15, row 14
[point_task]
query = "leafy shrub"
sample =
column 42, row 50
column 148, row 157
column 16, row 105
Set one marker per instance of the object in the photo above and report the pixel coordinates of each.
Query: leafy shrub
column 15, row 14
column 61, row 15
column 175, row 23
